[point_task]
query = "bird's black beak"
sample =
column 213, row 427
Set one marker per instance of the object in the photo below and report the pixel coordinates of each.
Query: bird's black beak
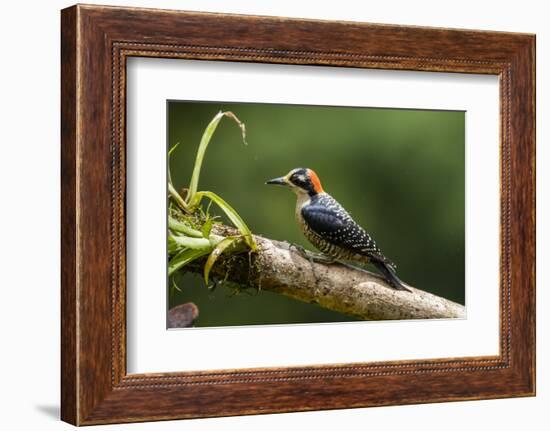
column 281, row 181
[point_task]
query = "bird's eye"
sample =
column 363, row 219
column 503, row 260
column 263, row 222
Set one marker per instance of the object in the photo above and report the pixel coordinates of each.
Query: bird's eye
column 298, row 179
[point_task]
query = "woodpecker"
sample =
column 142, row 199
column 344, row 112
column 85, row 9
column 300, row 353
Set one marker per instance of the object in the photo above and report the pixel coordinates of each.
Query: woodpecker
column 330, row 228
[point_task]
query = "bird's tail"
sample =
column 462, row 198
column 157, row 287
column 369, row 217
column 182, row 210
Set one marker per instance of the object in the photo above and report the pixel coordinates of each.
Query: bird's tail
column 389, row 274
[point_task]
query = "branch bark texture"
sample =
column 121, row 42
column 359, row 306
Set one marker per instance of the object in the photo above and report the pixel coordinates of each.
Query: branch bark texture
column 279, row 268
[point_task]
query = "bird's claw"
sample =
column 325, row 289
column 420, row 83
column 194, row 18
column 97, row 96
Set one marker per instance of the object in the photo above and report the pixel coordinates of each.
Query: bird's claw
column 311, row 256
column 298, row 248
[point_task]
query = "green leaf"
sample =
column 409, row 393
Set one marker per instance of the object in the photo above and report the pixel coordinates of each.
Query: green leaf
column 229, row 242
column 207, row 228
column 194, row 243
column 205, row 140
column 182, row 227
column 172, row 192
column 183, row 258
column 170, row 151
column 173, row 246
column 231, row 214
column 173, row 288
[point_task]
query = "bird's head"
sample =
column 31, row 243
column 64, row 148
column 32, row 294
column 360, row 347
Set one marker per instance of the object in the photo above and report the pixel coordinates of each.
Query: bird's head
column 300, row 180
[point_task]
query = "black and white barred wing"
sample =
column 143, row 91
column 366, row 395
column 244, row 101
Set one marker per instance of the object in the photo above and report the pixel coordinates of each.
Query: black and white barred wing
column 330, row 221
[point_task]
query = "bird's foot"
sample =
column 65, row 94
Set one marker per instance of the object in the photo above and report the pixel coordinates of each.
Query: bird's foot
column 298, row 248
column 312, row 256
column 321, row 258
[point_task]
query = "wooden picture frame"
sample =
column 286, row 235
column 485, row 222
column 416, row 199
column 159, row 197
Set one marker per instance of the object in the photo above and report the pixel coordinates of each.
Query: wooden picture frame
column 95, row 43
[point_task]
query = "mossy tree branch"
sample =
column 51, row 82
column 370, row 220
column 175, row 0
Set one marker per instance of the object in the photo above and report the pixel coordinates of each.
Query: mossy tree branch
column 280, row 268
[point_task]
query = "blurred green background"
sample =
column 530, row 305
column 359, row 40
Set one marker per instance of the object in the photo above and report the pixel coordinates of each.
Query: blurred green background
column 400, row 173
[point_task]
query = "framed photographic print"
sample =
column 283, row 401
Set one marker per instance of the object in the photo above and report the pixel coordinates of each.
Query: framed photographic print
column 265, row 214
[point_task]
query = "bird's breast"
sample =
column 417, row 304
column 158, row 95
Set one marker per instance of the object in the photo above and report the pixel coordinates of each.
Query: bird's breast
column 302, row 200
column 312, row 237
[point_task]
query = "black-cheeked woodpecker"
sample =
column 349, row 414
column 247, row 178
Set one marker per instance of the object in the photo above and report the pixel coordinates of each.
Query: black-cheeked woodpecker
column 330, row 228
